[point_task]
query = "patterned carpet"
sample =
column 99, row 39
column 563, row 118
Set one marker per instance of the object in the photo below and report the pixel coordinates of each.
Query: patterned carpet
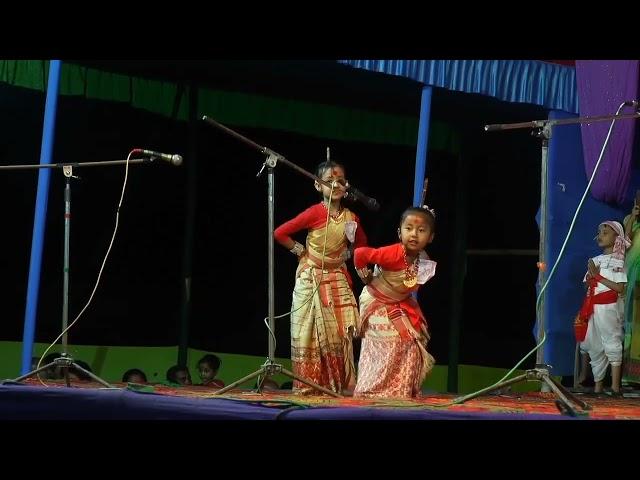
column 604, row 407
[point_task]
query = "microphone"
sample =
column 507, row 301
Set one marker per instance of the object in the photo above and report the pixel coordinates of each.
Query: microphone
column 355, row 194
column 631, row 103
column 175, row 159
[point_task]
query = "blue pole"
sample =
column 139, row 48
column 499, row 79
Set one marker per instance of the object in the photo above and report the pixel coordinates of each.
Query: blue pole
column 39, row 222
column 421, row 150
column 423, row 141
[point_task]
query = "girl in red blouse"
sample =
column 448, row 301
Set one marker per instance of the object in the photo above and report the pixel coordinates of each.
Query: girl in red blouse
column 324, row 313
column 393, row 359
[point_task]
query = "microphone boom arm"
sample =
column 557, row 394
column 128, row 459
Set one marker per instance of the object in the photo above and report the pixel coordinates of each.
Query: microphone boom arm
column 559, row 121
column 272, row 157
column 132, row 161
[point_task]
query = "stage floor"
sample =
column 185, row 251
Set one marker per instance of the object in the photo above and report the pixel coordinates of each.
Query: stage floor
column 88, row 401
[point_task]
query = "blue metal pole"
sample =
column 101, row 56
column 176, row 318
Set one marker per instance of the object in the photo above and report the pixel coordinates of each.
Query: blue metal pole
column 39, row 222
column 423, row 142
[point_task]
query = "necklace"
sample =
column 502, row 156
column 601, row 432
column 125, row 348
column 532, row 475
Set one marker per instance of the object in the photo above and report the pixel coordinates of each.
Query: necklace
column 410, row 271
column 334, row 215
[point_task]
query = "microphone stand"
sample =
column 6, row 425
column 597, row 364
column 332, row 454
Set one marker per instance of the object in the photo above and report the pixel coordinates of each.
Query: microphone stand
column 567, row 401
column 270, row 367
column 65, row 361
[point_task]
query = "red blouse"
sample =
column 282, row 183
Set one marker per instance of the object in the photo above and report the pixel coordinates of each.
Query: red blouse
column 312, row 218
column 389, row 258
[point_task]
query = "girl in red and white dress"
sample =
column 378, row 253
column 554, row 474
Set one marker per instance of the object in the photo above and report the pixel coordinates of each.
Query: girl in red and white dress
column 393, row 358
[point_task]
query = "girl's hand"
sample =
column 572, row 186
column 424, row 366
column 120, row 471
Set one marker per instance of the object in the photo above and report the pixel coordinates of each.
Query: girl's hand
column 593, row 269
column 298, row 250
column 365, row 274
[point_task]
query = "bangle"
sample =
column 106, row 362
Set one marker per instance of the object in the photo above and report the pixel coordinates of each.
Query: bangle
column 363, row 272
column 297, row 249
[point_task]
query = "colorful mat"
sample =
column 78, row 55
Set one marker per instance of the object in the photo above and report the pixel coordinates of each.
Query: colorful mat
column 603, row 407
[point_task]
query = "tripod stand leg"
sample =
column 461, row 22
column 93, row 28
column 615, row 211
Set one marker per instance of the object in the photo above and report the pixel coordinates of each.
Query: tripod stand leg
column 310, row 383
column 90, row 374
column 264, row 371
column 506, row 383
column 564, row 404
column 33, row 372
column 65, row 366
column 564, row 394
column 241, row 381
